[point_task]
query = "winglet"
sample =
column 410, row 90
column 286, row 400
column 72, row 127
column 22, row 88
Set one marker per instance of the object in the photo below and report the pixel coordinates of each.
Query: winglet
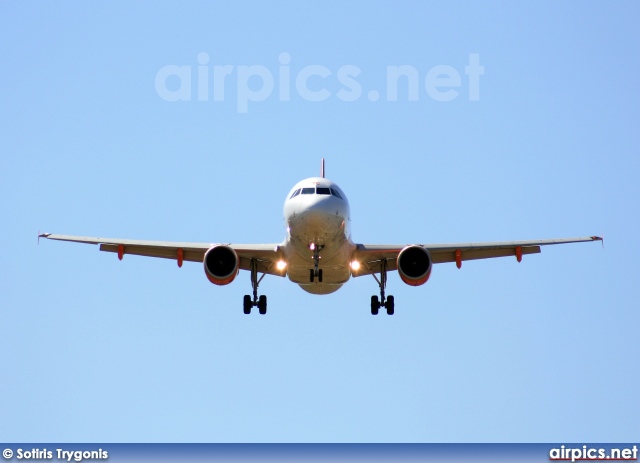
column 599, row 238
column 322, row 168
column 42, row 235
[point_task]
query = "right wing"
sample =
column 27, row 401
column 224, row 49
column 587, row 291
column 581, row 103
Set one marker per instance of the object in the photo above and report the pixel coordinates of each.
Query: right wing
column 372, row 255
column 266, row 255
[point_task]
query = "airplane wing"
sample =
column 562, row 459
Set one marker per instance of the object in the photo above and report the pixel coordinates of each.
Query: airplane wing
column 266, row 255
column 372, row 255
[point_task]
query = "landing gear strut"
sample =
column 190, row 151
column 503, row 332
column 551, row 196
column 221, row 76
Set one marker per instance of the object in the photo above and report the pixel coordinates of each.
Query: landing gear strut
column 315, row 272
column 389, row 302
column 260, row 302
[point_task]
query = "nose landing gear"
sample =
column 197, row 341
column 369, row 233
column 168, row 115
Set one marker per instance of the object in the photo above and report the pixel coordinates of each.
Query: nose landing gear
column 388, row 303
column 315, row 272
column 260, row 302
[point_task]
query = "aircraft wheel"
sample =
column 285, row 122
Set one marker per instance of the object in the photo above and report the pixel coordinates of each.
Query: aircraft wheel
column 311, row 275
column 375, row 305
column 262, row 305
column 247, row 303
column 320, row 275
column 390, row 304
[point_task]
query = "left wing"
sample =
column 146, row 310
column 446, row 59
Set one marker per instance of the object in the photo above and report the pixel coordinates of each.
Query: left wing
column 266, row 255
column 372, row 255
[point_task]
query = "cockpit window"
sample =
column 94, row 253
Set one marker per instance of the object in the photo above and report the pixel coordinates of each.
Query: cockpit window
column 317, row 190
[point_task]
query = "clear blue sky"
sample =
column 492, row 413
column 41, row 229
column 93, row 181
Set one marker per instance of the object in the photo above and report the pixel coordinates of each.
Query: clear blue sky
column 93, row 349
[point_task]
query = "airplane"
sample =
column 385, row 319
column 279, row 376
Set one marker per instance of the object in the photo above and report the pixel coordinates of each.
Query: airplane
column 318, row 252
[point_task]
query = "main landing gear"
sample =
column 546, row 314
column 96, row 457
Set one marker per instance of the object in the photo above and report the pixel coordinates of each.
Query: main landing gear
column 315, row 272
column 260, row 302
column 389, row 302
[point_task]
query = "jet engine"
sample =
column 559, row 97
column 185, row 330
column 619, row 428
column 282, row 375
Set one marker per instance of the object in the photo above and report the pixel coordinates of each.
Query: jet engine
column 414, row 265
column 221, row 265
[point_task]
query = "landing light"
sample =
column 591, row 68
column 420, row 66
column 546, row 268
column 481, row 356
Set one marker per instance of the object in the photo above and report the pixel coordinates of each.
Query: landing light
column 281, row 265
column 355, row 265
column 312, row 246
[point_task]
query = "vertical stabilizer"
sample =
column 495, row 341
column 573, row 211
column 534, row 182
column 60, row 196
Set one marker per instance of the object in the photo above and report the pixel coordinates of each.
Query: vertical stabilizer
column 322, row 168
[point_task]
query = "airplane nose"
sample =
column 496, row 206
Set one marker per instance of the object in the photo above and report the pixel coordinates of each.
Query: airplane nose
column 317, row 216
column 316, row 221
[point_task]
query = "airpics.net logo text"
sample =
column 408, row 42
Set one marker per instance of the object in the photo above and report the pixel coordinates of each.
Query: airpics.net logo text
column 313, row 83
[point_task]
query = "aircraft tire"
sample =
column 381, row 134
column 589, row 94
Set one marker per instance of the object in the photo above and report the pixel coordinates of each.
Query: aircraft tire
column 247, row 303
column 391, row 305
column 262, row 304
column 375, row 305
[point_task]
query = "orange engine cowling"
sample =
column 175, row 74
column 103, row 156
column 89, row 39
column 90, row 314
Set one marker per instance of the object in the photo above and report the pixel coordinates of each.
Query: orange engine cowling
column 414, row 265
column 221, row 265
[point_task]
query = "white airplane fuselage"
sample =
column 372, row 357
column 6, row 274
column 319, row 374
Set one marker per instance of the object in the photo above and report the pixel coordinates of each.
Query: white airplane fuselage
column 316, row 215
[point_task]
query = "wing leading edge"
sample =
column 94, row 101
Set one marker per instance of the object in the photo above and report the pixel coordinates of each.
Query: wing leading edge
column 372, row 255
column 266, row 255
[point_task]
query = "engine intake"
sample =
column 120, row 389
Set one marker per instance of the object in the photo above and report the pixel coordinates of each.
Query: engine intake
column 221, row 265
column 414, row 265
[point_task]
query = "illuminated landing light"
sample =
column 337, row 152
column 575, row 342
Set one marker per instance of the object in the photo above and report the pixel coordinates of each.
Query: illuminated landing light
column 281, row 265
column 355, row 265
column 312, row 246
